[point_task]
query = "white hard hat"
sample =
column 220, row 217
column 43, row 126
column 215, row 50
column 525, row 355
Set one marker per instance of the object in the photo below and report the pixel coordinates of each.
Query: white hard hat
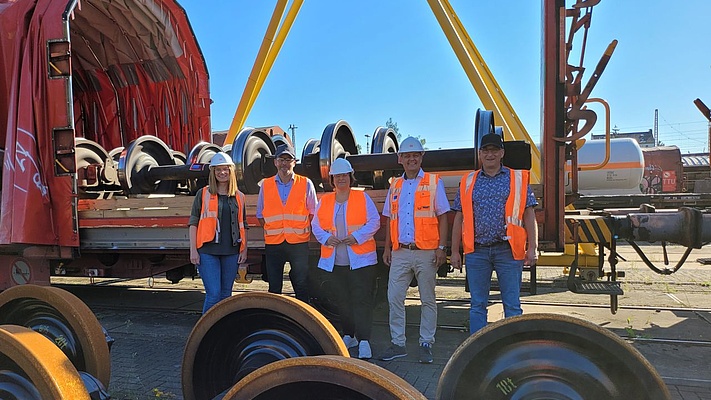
column 221, row 158
column 411, row 145
column 340, row 166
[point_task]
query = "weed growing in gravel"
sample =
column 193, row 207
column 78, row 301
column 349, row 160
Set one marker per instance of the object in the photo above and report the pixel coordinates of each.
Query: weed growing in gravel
column 159, row 394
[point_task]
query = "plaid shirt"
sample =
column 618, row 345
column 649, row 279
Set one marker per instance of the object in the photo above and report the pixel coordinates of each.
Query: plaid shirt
column 489, row 198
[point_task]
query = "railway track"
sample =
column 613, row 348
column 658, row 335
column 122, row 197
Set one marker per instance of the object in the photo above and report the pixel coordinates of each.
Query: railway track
column 660, row 201
column 574, row 308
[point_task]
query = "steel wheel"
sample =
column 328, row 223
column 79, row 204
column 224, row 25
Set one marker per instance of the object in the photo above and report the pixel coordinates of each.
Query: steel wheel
column 312, row 146
column 32, row 367
column 201, row 153
column 278, row 140
column 337, row 141
column 179, row 157
column 135, row 160
column 322, row 377
column 483, row 125
column 63, row 319
column 115, row 154
column 247, row 331
column 249, row 152
column 549, row 356
column 309, row 161
column 89, row 152
column 384, row 141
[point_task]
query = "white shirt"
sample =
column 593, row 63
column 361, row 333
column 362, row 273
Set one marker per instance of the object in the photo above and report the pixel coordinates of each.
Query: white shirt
column 406, row 210
column 365, row 232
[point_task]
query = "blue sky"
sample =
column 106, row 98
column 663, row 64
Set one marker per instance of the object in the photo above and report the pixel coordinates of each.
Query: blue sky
column 369, row 60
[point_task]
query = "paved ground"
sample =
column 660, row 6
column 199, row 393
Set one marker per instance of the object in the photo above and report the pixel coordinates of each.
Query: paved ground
column 146, row 358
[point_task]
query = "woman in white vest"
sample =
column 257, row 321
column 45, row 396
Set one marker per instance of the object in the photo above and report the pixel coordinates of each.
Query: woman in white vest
column 344, row 224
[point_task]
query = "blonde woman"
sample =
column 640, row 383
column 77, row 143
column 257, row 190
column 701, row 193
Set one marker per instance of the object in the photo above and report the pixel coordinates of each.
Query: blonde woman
column 218, row 243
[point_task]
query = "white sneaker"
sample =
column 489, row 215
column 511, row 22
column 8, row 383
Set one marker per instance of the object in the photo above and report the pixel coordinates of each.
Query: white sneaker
column 364, row 352
column 350, row 341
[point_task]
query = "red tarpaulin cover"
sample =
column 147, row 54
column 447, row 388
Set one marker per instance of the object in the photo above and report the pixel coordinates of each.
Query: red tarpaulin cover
column 136, row 70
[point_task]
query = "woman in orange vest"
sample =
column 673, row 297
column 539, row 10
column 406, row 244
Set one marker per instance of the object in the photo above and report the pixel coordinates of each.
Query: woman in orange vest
column 344, row 224
column 218, row 243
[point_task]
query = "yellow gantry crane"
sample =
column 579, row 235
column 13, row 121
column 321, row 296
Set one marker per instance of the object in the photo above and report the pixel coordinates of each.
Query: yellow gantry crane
column 268, row 51
column 483, row 81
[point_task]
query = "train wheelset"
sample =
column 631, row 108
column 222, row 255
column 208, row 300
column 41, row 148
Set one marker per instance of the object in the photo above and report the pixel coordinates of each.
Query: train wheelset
column 264, row 346
column 51, row 346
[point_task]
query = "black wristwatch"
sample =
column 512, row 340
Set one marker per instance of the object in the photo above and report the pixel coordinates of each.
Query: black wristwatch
column 442, row 248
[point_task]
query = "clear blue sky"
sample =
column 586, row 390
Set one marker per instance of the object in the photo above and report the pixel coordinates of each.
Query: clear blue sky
column 369, row 60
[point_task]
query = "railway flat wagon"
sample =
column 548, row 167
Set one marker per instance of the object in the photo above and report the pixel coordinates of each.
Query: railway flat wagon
column 78, row 78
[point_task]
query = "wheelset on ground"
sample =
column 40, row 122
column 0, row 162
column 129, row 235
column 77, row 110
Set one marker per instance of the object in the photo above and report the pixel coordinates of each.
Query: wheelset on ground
column 548, row 356
column 247, row 331
column 323, row 378
column 34, row 368
column 50, row 340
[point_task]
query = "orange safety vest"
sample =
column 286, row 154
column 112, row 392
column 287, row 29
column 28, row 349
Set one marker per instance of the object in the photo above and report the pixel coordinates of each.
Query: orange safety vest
column 426, row 221
column 356, row 217
column 515, row 206
column 208, row 226
column 288, row 222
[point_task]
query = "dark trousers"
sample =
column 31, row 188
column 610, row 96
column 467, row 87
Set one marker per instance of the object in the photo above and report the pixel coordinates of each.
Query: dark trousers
column 298, row 257
column 354, row 298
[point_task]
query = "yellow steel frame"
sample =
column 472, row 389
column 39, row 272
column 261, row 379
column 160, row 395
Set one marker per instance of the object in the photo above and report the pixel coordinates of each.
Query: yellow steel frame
column 266, row 56
column 485, row 85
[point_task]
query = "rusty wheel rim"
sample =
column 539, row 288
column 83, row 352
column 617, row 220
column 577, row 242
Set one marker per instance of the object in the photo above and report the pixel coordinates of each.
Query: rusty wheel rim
column 65, row 320
column 30, row 359
column 548, row 356
column 323, row 377
column 247, row 331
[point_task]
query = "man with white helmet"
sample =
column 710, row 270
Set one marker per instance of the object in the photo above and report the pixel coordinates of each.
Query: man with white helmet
column 344, row 224
column 285, row 206
column 218, row 243
column 415, row 241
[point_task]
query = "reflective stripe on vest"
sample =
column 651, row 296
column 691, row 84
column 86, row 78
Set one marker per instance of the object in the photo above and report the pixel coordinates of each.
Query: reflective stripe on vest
column 515, row 207
column 288, row 222
column 209, row 226
column 426, row 221
column 356, row 217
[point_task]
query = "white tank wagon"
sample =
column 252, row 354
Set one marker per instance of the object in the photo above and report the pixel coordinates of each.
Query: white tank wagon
column 621, row 175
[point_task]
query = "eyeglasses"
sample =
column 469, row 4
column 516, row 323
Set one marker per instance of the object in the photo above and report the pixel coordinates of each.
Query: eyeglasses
column 490, row 150
column 285, row 160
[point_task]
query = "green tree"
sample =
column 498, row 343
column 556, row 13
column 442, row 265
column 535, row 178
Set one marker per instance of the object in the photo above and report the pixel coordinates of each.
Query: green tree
column 393, row 125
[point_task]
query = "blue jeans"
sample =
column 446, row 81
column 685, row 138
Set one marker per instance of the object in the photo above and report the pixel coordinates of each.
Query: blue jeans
column 480, row 265
column 218, row 273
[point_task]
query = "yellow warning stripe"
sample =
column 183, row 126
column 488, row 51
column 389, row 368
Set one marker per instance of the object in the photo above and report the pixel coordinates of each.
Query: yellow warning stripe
column 590, row 230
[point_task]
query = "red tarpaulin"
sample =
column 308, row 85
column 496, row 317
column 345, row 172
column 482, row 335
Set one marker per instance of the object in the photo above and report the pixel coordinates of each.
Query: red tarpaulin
column 136, row 69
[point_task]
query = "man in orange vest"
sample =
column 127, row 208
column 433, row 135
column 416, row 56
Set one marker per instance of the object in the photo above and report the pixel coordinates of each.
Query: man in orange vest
column 494, row 221
column 285, row 206
column 415, row 240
